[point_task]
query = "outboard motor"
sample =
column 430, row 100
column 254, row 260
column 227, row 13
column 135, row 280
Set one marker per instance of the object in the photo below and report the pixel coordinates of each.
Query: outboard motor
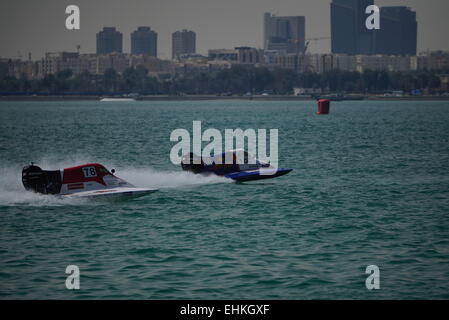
column 41, row 181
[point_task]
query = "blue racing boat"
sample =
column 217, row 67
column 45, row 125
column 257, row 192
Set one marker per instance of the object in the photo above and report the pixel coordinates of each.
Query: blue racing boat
column 228, row 165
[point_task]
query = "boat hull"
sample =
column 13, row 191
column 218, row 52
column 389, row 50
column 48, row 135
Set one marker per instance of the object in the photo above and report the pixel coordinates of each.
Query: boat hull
column 244, row 176
column 113, row 193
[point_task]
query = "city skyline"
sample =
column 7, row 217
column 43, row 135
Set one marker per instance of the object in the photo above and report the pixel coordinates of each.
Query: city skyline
column 216, row 25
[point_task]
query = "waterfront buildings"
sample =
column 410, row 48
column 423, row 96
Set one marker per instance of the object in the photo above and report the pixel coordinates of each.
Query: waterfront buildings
column 54, row 62
column 320, row 63
column 436, row 60
column 18, row 68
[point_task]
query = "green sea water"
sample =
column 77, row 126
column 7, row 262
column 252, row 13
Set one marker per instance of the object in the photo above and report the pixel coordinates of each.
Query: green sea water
column 370, row 186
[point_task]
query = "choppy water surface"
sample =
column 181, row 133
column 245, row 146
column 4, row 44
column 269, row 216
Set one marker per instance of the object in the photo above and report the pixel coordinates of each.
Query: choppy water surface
column 370, row 186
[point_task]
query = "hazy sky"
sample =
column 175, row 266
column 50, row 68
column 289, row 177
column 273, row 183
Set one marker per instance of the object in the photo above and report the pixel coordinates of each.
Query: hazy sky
column 39, row 25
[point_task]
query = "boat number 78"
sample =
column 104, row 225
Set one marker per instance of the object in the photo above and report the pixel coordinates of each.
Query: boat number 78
column 89, row 172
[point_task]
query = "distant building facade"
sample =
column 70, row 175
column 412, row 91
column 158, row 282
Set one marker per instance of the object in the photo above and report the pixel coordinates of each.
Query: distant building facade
column 53, row 62
column 436, row 60
column 109, row 40
column 144, row 41
column 183, row 42
column 286, row 34
column 398, row 32
column 223, row 54
column 154, row 65
column 348, row 31
column 18, row 68
column 4, row 68
column 321, row 63
column 248, row 55
column 288, row 61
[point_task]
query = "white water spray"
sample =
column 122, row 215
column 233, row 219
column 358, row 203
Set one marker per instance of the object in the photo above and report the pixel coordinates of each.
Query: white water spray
column 12, row 192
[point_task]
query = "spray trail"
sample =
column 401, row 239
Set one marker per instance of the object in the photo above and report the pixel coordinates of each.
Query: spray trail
column 150, row 178
column 12, row 192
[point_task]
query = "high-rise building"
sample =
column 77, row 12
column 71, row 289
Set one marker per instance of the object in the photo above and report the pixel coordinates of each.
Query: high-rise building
column 348, row 29
column 109, row 40
column 144, row 41
column 183, row 42
column 285, row 34
column 398, row 31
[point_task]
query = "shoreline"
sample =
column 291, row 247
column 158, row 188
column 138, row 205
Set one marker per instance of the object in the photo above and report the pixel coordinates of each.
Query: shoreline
column 214, row 97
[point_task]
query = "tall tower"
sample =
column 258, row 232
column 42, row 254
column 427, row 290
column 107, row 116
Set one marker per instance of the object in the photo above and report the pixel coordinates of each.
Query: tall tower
column 144, row 41
column 109, row 40
column 286, row 34
column 266, row 29
column 183, row 42
column 398, row 32
column 348, row 31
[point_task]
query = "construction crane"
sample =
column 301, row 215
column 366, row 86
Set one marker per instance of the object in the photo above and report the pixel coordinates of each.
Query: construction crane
column 315, row 40
column 307, row 43
column 306, row 46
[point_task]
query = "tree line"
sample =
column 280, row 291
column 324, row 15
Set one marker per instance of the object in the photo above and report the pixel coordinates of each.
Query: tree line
column 236, row 80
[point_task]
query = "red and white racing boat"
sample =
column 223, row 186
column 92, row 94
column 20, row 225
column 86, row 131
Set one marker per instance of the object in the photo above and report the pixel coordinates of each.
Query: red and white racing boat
column 88, row 180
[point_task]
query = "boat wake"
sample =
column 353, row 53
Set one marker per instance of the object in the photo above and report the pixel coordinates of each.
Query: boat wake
column 150, row 178
column 12, row 192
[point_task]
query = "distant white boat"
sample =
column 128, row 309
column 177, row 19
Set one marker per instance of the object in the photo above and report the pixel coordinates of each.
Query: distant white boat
column 117, row 99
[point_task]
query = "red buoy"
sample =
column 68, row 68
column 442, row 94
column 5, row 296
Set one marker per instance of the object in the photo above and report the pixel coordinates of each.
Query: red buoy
column 323, row 106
